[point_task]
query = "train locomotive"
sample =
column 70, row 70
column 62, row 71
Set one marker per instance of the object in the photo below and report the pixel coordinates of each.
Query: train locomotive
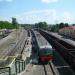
column 45, row 50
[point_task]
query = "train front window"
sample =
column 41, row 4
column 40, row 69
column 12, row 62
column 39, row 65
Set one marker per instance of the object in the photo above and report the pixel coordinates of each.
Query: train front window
column 46, row 51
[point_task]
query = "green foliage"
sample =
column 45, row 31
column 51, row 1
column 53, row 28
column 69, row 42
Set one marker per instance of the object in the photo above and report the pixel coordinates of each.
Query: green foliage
column 14, row 22
column 73, row 24
column 41, row 25
column 56, row 27
column 6, row 25
column 66, row 24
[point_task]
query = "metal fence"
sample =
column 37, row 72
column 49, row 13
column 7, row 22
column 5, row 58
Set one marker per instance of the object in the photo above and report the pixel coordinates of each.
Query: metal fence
column 15, row 67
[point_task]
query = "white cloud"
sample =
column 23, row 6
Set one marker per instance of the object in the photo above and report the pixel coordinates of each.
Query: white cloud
column 67, row 17
column 37, row 16
column 49, row 1
column 48, row 15
column 51, row 16
column 6, row 0
column 5, row 19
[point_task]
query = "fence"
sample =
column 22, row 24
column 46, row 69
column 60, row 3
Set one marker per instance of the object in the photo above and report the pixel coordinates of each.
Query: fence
column 15, row 67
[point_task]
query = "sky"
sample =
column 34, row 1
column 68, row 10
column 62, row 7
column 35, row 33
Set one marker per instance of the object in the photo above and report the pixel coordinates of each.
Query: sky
column 33, row 11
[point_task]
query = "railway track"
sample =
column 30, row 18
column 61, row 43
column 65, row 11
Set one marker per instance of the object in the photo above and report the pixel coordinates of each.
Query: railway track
column 52, row 69
column 17, row 49
column 49, row 69
column 46, row 69
column 66, row 50
column 14, row 48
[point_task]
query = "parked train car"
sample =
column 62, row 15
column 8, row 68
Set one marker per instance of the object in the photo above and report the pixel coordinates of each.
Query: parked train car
column 45, row 50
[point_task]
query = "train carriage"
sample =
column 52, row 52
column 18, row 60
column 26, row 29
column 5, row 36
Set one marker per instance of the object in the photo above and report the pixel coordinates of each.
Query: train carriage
column 45, row 52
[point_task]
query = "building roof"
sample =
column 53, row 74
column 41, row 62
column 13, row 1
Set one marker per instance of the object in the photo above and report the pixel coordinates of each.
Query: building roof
column 73, row 27
column 67, row 28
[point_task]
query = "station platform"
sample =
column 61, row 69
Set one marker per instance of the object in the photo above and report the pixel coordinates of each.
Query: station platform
column 34, row 70
column 40, row 69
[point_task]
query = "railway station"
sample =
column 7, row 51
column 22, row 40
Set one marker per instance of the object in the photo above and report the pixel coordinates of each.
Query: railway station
column 37, row 37
column 36, row 53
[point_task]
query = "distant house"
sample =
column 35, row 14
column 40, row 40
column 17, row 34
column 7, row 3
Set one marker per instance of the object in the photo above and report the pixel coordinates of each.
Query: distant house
column 68, row 31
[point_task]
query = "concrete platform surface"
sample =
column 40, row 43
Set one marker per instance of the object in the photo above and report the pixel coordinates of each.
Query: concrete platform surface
column 33, row 70
column 37, row 70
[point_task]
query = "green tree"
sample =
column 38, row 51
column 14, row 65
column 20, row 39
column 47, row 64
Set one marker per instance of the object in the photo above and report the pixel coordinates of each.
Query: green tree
column 61, row 25
column 6, row 25
column 66, row 24
column 14, row 22
column 42, row 25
